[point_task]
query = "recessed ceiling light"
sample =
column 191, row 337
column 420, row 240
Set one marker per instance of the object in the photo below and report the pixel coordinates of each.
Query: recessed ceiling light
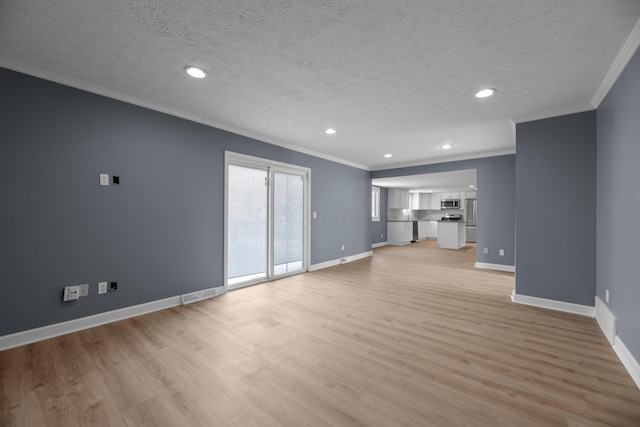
column 485, row 93
column 446, row 146
column 330, row 131
column 388, row 155
column 195, row 72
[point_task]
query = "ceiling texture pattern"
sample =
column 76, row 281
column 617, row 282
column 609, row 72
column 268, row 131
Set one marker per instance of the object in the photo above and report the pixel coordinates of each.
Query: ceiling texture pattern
column 391, row 76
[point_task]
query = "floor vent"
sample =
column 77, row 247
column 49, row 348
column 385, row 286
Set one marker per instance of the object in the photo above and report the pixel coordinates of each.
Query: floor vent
column 607, row 321
column 201, row 295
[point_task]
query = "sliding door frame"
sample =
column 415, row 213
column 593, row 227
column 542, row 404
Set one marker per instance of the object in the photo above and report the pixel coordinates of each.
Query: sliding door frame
column 271, row 166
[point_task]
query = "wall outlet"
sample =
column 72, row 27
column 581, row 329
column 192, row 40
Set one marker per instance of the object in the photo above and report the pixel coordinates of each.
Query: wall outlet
column 382, row 235
column 104, row 179
column 71, row 293
column 315, row 214
column 501, row 252
column 343, row 247
column 606, row 295
column 485, row 251
column 84, row 290
column 102, row 288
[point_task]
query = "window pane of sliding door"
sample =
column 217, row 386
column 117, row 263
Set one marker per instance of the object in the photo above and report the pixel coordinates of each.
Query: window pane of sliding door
column 247, row 225
column 288, row 223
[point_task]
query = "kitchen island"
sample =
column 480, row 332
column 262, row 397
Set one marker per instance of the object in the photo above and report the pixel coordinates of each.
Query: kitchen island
column 451, row 234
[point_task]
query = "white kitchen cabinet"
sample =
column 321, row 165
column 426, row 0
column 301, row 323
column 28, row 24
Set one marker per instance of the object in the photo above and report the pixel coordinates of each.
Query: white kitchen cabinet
column 451, row 235
column 432, row 230
column 435, row 201
column 415, row 201
column 450, row 196
column 399, row 232
column 421, row 201
column 470, row 195
column 398, row 199
column 423, row 230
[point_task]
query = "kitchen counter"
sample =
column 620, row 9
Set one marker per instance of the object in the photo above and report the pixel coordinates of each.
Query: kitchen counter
column 399, row 232
column 452, row 234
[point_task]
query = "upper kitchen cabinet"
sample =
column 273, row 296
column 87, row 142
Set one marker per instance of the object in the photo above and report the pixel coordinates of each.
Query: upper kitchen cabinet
column 420, row 201
column 398, row 199
column 450, row 196
column 435, row 201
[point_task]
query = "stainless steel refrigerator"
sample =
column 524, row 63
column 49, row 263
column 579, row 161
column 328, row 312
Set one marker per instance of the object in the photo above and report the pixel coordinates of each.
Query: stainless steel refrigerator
column 470, row 206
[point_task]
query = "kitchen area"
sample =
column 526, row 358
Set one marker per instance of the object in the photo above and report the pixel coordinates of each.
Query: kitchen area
column 420, row 212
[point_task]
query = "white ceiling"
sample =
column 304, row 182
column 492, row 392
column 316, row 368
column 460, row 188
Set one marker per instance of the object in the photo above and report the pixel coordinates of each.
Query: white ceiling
column 431, row 183
column 391, row 76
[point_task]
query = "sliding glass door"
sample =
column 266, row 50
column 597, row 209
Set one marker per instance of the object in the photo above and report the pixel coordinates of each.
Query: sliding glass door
column 246, row 224
column 288, row 222
column 266, row 220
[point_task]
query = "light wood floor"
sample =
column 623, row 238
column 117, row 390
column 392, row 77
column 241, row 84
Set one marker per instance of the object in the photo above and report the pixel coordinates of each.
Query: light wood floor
column 413, row 336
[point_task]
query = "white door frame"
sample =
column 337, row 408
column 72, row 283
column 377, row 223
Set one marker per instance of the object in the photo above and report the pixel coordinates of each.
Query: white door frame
column 271, row 166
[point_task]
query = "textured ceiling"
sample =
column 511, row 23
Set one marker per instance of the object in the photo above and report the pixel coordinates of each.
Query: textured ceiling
column 390, row 76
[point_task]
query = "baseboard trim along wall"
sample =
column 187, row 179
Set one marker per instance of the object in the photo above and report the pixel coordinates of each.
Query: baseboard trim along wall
column 499, row 267
column 605, row 318
column 628, row 361
column 57, row 329
column 339, row 261
column 379, row 244
column 50, row 331
column 550, row 304
column 607, row 321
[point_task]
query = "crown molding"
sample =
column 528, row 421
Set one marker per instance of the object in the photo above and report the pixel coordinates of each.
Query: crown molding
column 98, row 90
column 627, row 51
column 437, row 160
column 554, row 112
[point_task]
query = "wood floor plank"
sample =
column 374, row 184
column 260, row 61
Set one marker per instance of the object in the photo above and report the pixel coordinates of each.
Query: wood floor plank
column 412, row 336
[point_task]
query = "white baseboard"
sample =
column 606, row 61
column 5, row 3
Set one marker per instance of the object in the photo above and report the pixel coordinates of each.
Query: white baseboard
column 499, row 267
column 379, row 244
column 550, row 304
column 57, row 329
column 339, row 261
column 603, row 317
column 607, row 321
column 627, row 359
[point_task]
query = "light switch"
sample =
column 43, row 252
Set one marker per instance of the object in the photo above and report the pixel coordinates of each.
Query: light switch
column 102, row 288
column 104, row 179
column 315, row 214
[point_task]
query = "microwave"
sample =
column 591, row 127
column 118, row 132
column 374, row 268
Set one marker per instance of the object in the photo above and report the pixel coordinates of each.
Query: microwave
column 450, row 204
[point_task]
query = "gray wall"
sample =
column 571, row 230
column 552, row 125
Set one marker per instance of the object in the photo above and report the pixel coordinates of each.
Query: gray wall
column 618, row 203
column 379, row 228
column 556, row 208
column 496, row 202
column 160, row 232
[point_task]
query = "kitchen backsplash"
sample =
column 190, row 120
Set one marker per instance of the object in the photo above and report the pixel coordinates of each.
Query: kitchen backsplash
column 420, row 215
